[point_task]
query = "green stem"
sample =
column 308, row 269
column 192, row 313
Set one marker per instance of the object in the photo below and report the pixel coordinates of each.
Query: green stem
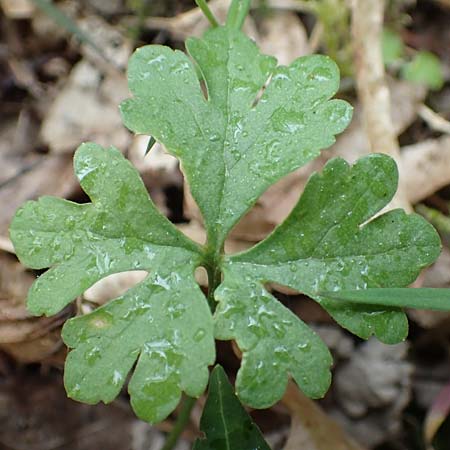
column 214, row 279
column 207, row 12
column 180, row 424
column 237, row 13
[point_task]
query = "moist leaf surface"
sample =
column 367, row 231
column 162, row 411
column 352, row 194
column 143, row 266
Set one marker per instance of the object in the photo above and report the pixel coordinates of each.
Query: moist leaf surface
column 238, row 123
column 242, row 137
column 330, row 242
column 165, row 319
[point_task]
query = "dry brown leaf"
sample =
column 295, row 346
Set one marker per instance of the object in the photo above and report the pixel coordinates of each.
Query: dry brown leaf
column 38, row 350
column 14, row 284
column 425, row 167
column 113, row 286
column 25, row 338
column 46, row 30
column 40, row 175
column 436, row 415
column 311, row 428
column 17, row 9
column 159, row 168
column 6, row 245
column 81, row 112
column 283, row 35
column 36, row 414
column 114, row 45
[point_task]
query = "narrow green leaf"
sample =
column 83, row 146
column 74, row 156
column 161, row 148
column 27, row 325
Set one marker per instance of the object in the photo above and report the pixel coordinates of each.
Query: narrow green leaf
column 421, row 298
column 226, row 424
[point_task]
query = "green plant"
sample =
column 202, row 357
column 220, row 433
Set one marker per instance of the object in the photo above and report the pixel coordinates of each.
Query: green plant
column 247, row 134
column 422, row 68
column 235, row 429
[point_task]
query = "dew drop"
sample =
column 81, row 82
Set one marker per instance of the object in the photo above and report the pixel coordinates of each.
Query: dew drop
column 199, row 335
column 92, row 355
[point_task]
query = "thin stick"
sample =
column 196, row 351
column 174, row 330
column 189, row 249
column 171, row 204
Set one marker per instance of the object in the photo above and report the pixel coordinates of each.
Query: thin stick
column 373, row 92
column 207, row 12
column 434, row 120
column 180, row 424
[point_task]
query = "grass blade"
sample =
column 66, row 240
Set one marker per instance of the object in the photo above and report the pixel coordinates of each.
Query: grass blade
column 420, row 298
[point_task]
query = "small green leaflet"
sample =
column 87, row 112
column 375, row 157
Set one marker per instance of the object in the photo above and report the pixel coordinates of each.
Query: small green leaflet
column 242, row 142
column 164, row 323
column 225, row 422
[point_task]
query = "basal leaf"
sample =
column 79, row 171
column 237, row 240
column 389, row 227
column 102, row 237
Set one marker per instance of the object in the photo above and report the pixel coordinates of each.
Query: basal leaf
column 245, row 135
column 225, row 422
column 160, row 319
column 330, row 242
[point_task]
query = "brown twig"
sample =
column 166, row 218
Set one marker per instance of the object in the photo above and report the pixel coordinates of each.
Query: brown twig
column 373, row 92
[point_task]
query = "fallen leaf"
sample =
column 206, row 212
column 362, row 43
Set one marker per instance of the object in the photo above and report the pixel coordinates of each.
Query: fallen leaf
column 17, row 9
column 35, row 176
column 64, row 127
column 283, row 35
column 439, row 411
column 22, row 336
column 311, row 428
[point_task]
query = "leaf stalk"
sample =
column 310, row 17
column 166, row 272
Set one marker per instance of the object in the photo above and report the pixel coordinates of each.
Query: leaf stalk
column 207, row 12
column 214, row 279
column 180, row 424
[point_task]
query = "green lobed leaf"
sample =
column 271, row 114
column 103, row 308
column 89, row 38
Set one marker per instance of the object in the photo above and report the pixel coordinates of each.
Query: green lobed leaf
column 240, row 141
column 330, row 242
column 225, row 422
column 164, row 322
